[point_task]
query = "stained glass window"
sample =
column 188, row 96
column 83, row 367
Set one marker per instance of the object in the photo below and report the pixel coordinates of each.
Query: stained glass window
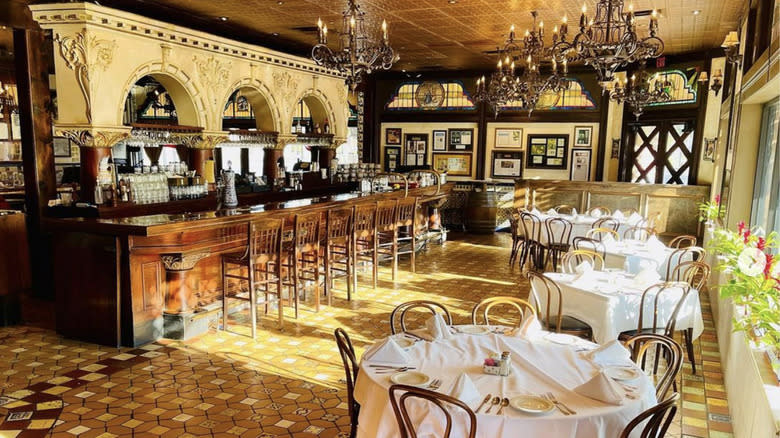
column 575, row 97
column 455, row 98
column 238, row 107
column 683, row 89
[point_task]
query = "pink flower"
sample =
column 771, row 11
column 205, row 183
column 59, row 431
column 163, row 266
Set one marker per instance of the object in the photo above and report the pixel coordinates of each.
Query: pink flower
column 717, row 199
column 741, row 227
column 761, row 244
column 768, row 266
column 747, row 236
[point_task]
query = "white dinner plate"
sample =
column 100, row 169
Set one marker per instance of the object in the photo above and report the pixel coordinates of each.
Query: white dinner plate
column 473, row 329
column 532, row 404
column 561, row 338
column 404, row 342
column 622, row 373
column 412, row 378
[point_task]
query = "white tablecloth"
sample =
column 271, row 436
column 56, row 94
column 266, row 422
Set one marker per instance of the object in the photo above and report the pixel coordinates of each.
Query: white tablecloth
column 537, row 366
column 617, row 252
column 581, row 224
column 609, row 303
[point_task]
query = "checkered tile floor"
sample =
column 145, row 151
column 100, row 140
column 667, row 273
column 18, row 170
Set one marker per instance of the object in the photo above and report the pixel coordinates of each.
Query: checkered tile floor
column 287, row 383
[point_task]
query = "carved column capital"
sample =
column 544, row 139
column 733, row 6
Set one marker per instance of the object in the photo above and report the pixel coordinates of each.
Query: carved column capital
column 182, row 261
column 93, row 137
column 208, row 141
column 283, row 140
column 335, row 143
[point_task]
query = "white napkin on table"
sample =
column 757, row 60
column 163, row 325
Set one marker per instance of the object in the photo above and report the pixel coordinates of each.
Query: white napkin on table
column 634, row 219
column 607, row 239
column 647, row 276
column 536, row 212
column 596, row 213
column 610, row 353
column 464, row 390
column 552, row 212
column 574, row 212
column 531, row 327
column 387, row 352
column 437, row 327
column 583, row 267
column 602, row 388
column 654, row 245
column 618, row 215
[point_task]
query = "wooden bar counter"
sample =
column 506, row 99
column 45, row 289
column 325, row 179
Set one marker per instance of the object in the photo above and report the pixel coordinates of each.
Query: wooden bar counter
column 125, row 281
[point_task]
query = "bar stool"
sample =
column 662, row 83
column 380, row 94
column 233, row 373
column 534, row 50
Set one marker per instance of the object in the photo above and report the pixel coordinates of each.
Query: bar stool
column 338, row 249
column 408, row 228
column 303, row 257
column 363, row 246
column 387, row 232
column 262, row 261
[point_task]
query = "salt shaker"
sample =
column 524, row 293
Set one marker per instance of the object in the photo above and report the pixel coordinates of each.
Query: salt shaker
column 504, row 364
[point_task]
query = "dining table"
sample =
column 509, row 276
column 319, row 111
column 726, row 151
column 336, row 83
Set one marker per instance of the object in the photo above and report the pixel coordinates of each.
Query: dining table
column 540, row 363
column 581, row 224
column 609, row 301
column 643, row 252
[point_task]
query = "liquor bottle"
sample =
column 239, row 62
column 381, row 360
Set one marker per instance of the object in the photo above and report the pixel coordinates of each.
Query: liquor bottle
column 98, row 193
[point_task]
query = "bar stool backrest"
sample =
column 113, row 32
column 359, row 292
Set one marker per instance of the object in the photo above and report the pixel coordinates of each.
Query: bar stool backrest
column 307, row 230
column 407, row 211
column 266, row 238
column 364, row 220
column 385, row 215
column 339, row 223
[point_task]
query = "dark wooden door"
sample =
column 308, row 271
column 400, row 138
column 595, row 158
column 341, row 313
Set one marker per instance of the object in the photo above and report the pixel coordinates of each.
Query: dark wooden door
column 661, row 152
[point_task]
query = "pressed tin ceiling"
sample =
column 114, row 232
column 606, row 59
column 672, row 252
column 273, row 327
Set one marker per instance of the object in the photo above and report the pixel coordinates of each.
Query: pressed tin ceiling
column 431, row 34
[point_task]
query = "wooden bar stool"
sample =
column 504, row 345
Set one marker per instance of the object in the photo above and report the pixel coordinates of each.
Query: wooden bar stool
column 262, row 262
column 303, row 257
column 409, row 228
column 387, row 232
column 364, row 248
column 338, row 249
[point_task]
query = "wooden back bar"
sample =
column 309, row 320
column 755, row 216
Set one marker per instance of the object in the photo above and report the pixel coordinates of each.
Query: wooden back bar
column 160, row 260
column 678, row 204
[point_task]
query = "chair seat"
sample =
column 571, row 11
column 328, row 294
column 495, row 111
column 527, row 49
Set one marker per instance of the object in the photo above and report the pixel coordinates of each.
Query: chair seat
column 569, row 324
column 237, row 258
column 631, row 333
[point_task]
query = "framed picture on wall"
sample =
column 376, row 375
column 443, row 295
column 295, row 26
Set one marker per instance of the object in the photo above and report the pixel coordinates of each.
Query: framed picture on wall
column 393, row 136
column 615, row 153
column 61, row 146
column 580, row 165
column 547, row 151
column 507, row 165
column 461, row 139
column 439, row 140
column 453, row 164
column 583, row 136
column 509, row 138
column 392, row 158
column 709, row 149
column 416, row 149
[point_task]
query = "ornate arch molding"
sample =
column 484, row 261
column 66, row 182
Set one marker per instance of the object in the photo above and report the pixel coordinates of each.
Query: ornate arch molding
column 261, row 88
column 326, row 103
column 194, row 111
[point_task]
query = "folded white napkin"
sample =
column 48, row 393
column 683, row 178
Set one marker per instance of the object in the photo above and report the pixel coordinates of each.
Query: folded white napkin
column 602, row 388
column 647, row 275
column 595, row 213
column 536, row 212
column 607, row 239
column 574, row 212
column 387, row 352
column 583, row 267
column 465, row 390
column 634, row 219
column 613, row 352
column 654, row 245
column 437, row 327
column 618, row 215
column 552, row 212
column 530, row 328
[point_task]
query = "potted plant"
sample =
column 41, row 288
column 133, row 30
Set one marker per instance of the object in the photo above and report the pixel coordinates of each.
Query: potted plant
column 711, row 213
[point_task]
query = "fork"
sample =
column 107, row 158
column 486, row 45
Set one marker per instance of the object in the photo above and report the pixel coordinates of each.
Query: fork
column 435, row 384
column 560, row 405
column 393, row 370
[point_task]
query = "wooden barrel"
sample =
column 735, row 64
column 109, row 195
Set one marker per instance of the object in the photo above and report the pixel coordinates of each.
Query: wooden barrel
column 481, row 212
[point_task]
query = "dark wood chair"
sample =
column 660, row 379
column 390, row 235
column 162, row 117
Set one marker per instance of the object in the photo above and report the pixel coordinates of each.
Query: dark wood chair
column 364, row 243
column 409, row 228
column 303, row 257
column 405, row 425
column 666, row 348
column 589, row 244
column 682, row 255
column 558, row 238
column 399, row 313
column 518, row 236
column 683, row 241
column 552, row 317
column 338, row 250
column 524, row 307
column 656, row 420
column 564, row 209
column 387, row 233
column 696, row 274
column 533, row 248
column 259, row 267
column 351, row 369
column 608, row 222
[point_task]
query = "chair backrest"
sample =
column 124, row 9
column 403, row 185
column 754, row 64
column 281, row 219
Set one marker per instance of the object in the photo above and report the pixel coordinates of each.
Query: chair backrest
column 571, row 259
column 402, row 309
column 265, row 237
column 532, row 226
column 658, row 418
column 683, row 241
column 638, row 233
column 405, row 424
column 558, row 230
column 523, row 306
column 694, row 273
column 364, row 219
column 656, row 292
column 607, row 222
column 339, row 223
column 515, row 227
column 406, row 211
column 596, row 246
column 599, row 211
column 564, row 209
column 630, row 211
column 599, row 233
column 307, row 230
column 351, row 369
column 667, row 349
column 544, row 289
column 385, row 215
column 680, row 255
column 653, row 221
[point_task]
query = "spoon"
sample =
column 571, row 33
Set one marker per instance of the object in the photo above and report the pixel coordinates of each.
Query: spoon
column 496, row 400
column 487, row 399
column 504, row 403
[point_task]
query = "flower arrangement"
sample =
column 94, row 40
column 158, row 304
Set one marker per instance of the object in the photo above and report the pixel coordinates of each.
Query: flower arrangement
column 710, row 211
column 754, row 282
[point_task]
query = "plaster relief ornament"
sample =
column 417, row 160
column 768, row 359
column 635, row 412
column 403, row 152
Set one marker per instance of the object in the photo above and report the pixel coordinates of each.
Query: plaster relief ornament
column 86, row 55
column 288, row 85
column 214, row 74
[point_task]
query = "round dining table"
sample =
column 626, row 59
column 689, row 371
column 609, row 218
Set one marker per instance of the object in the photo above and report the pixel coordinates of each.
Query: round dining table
column 542, row 363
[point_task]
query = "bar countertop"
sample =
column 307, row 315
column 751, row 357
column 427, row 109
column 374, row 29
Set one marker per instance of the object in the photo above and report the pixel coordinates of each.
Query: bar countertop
column 157, row 224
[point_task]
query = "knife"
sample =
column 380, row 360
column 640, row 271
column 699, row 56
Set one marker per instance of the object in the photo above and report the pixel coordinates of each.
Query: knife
column 487, row 399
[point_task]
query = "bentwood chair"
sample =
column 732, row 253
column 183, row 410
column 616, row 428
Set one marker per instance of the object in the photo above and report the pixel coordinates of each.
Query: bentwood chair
column 683, row 241
column 409, row 228
column 338, row 250
column 518, row 236
column 262, row 263
column 303, row 261
column 400, row 313
column 533, row 248
column 638, row 233
column 387, row 232
column 351, row 369
column 571, row 259
column 656, row 420
column 564, row 209
column 680, row 255
column 599, row 233
column 524, row 307
column 666, row 348
column 607, row 222
column 558, row 238
column 599, row 211
column 444, row 402
column 696, row 274
column 552, row 317
column 589, row 244
column 364, row 243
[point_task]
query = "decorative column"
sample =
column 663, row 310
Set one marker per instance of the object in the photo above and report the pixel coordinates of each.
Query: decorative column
column 94, row 145
column 328, row 152
column 201, row 150
column 179, row 297
column 272, row 156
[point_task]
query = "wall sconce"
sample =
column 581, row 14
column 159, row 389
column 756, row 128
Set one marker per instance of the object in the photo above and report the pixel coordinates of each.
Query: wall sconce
column 731, row 47
column 709, row 149
column 717, row 81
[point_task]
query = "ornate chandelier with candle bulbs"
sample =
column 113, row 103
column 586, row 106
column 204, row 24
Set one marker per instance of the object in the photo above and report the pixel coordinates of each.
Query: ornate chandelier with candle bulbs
column 638, row 93
column 359, row 51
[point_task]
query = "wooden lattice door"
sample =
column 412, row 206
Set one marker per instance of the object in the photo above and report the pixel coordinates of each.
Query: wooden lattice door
column 660, row 152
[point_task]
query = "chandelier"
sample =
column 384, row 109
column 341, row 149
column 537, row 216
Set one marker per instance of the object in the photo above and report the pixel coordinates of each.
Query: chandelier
column 638, row 93
column 359, row 52
column 609, row 41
